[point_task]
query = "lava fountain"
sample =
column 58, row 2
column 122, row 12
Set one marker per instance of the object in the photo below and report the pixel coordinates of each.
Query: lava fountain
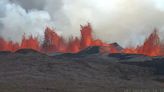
column 53, row 42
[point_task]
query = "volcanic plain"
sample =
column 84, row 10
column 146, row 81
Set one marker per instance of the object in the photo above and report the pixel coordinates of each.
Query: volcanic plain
column 27, row 70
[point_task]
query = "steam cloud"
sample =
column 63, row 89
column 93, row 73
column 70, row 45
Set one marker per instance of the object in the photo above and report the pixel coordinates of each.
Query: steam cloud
column 127, row 22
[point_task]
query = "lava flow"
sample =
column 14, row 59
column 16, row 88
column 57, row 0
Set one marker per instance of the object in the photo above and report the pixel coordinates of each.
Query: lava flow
column 53, row 42
column 151, row 46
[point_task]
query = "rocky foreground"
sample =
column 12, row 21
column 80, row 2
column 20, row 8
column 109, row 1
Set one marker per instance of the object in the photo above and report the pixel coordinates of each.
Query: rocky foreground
column 87, row 71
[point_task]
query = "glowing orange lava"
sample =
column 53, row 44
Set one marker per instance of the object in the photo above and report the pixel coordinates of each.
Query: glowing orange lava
column 55, row 43
column 151, row 46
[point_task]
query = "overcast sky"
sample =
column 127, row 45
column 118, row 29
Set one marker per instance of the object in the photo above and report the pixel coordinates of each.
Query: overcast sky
column 127, row 22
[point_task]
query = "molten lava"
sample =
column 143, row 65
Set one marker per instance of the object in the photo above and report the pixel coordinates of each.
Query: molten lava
column 151, row 46
column 8, row 45
column 31, row 42
column 55, row 43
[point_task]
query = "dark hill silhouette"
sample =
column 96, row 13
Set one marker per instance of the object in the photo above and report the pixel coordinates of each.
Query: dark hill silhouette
column 27, row 51
column 5, row 52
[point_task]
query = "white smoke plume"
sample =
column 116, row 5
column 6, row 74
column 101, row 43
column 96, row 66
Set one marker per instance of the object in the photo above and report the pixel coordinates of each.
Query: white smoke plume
column 127, row 22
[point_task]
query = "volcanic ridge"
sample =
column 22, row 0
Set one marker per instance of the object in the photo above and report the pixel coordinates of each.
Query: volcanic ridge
column 80, row 65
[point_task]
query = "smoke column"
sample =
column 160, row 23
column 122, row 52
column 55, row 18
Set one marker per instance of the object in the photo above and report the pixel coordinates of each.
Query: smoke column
column 127, row 22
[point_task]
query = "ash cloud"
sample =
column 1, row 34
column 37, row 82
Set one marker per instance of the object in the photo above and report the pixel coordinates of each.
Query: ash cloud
column 30, row 4
column 127, row 22
column 16, row 21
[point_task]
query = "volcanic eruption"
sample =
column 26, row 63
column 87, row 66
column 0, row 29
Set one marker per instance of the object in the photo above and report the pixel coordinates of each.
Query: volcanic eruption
column 151, row 46
column 53, row 42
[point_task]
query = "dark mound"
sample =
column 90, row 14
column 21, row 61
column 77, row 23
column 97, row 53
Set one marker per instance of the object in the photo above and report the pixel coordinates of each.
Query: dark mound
column 117, row 46
column 27, row 51
column 123, row 56
column 5, row 52
column 90, row 50
column 85, row 52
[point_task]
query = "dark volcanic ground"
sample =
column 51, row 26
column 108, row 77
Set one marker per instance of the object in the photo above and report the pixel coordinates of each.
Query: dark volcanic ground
column 30, row 71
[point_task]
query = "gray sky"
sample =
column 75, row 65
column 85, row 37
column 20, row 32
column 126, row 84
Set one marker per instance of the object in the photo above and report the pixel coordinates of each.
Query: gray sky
column 127, row 22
